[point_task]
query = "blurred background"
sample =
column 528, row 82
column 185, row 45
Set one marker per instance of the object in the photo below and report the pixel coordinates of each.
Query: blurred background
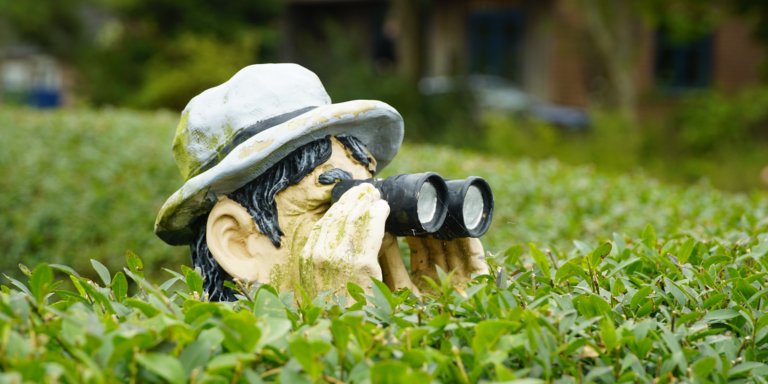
column 91, row 92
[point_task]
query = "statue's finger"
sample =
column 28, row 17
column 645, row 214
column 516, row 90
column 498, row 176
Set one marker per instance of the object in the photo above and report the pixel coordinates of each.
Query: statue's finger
column 437, row 253
column 455, row 257
column 419, row 254
column 333, row 224
column 394, row 273
column 365, row 231
column 474, row 248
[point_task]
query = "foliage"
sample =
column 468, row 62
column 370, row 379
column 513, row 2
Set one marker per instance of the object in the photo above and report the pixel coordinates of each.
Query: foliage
column 53, row 25
column 146, row 53
column 83, row 184
column 712, row 120
column 721, row 138
column 648, row 309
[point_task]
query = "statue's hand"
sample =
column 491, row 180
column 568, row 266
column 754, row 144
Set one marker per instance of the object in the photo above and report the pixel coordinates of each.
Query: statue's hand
column 462, row 255
column 344, row 245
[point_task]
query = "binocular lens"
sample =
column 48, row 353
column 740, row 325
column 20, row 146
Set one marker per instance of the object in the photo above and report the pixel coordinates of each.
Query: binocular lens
column 424, row 204
column 416, row 205
column 474, row 205
column 427, row 205
column 470, row 209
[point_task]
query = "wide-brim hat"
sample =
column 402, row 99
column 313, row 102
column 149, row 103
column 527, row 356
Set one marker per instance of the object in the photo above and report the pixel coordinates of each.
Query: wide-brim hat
column 231, row 134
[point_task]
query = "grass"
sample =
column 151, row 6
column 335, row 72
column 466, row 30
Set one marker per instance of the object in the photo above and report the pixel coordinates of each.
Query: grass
column 596, row 278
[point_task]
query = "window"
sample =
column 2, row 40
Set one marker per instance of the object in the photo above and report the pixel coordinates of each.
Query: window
column 494, row 43
column 683, row 65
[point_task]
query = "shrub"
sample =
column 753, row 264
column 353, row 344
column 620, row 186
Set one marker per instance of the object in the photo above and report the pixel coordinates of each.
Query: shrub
column 649, row 309
column 84, row 184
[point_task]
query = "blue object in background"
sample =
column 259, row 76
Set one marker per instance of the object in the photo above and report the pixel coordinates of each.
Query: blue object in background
column 45, row 98
column 42, row 98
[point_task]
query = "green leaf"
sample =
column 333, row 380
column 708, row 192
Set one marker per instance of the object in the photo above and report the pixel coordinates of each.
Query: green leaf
column 415, row 358
column 120, row 287
column 195, row 355
column 512, row 255
column 227, row 361
column 41, row 282
column 19, row 285
column 689, row 316
column 102, row 271
column 241, row 333
column 639, row 296
column 389, row 372
column 597, row 255
column 356, row 292
column 134, row 264
column 163, row 365
column 25, row 270
column 623, row 265
column 540, row 259
column 716, row 259
column 744, row 288
column 564, row 272
column 147, row 309
column 762, row 321
column 608, row 334
column 714, row 299
column 704, row 366
column 721, row 314
column 65, row 269
column 649, row 237
column 747, row 366
column 194, row 282
column 684, row 253
column 267, row 304
column 307, row 353
column 488, row 332
column 645, row 309
column 619, row 242
column 677, row 292
column 383, row 296
column 340, row 335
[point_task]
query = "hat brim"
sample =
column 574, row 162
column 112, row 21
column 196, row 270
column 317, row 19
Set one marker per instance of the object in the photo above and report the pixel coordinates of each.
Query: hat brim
column 376, row 124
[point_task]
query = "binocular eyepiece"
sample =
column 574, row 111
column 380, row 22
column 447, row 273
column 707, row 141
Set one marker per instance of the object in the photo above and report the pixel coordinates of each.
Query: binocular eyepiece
column 423, row 204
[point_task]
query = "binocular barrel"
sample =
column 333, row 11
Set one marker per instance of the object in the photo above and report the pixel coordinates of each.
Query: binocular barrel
column 423, row 204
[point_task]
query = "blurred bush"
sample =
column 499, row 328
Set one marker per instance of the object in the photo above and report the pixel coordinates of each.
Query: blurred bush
column 145, row 53
column 713, row 136
column 192, row 64
column 712, row 120
column 85, row 184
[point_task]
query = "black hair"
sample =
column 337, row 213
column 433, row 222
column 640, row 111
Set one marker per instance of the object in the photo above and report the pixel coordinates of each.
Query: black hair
column 258, row 198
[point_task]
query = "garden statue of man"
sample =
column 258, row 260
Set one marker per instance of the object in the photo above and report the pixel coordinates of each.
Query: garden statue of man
column 260, row 155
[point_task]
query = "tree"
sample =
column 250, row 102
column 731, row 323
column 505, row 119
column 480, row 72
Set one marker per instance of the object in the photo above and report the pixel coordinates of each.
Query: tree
column 146, row 53
column 614, row 31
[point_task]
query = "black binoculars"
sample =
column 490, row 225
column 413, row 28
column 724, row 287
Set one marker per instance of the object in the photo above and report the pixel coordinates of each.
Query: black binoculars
column 423, row 204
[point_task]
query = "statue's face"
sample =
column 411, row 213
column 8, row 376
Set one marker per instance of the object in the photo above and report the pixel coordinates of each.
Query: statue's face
column 243, row 251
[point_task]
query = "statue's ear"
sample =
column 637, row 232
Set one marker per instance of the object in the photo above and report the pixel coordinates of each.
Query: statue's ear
column 232, row 235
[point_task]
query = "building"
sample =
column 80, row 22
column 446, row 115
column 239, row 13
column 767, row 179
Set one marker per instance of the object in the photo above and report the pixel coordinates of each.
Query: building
column 29, row 76
column 539, row 44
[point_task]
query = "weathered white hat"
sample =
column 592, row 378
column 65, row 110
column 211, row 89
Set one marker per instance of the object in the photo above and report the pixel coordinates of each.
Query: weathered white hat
column 231, row 134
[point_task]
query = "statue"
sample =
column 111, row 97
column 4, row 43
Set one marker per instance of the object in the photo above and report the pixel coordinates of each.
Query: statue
column 263, row 156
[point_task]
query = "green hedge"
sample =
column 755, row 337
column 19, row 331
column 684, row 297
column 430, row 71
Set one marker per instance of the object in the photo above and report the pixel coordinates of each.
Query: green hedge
column 586, row 305
column 87, row 184
column 640, row 311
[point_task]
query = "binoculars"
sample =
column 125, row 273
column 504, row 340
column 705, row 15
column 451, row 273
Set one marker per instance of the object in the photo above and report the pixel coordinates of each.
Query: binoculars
column 423, row 204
